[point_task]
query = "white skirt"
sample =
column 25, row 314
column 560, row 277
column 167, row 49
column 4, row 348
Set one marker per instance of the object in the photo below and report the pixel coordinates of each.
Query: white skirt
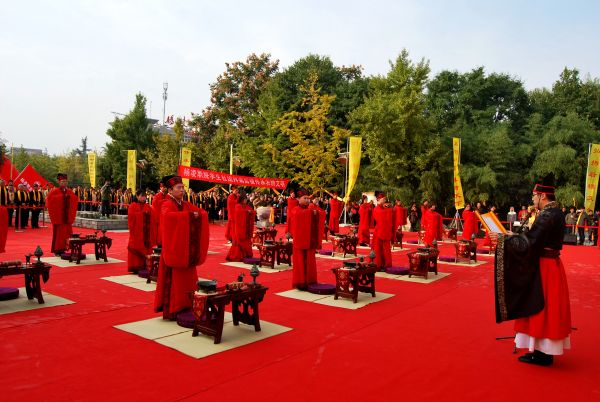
column 544, row 345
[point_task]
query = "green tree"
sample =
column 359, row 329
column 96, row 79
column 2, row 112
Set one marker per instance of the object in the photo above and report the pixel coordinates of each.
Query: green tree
column 311, row 160
column 133, row 131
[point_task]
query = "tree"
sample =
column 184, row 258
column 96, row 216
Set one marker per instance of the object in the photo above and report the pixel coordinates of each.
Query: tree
column 133, row 131
column 311, row 160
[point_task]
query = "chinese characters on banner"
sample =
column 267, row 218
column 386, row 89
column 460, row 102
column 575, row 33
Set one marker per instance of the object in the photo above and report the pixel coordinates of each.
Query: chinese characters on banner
column 459, row 200
column 591, row 180
column 131, row 171
column 224, row 178
column 92, row 168
column 186, row 160
column 353, row 164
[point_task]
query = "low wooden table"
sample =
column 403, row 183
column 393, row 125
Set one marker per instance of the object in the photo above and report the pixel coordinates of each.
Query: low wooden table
column 345, row 244
column 466, row 251
column 75, row 245
column 260, row 235
column 280, row 253
column 32, row 274
column 397, row 241
column 349, row 281
column 423, row 262
column 244, row 309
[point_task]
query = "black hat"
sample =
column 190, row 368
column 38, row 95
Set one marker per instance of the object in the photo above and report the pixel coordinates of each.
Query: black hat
column 545, row 185
column 61, row 176
column 171, row 180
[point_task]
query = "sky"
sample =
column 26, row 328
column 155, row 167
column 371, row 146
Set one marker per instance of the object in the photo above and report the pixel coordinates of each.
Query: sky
column 65, row 66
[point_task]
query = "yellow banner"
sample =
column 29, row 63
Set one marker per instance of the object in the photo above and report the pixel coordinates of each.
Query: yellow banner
column 131, row 171
column 354, row 155
column 92, row 168
column 459, row 200
column 186, row 160
column 591, row 180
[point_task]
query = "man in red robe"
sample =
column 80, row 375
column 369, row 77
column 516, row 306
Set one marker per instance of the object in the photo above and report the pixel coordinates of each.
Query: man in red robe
column 365, row 213
column 470, row 222
column 292, row 203
column 400, row 214
column 385, row 230
column 185, row 239
column 142, row 235
column 241, row 246
column 157, row 201
column 232, row 200
column 62, row 208
column 424, row 214
column 335, row 210
column 434, row 227
column 308, row 225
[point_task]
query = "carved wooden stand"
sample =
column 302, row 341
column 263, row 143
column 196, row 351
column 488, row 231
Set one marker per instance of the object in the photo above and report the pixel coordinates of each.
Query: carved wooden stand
column 100, row 246
column 344, row 244
column 421, row 263
column 350, row 281
column 466, row 251
column 32, row 274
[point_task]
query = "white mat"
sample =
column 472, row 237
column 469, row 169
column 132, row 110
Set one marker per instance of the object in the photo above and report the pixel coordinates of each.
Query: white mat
column 363, row 300
column 338, row 257
column 463, row 264
column 23, row 304
column 168, row 333
column 90, row 260
column 135, row 282
column 266, row 270
column 431, row 277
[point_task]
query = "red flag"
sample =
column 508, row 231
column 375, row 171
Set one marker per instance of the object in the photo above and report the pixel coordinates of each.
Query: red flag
column 28, row 176
column 8, row 170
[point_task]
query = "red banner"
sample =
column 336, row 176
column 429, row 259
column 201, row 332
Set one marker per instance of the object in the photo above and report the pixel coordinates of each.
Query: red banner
column 193, row 173
column 8, row 170
column 28, row 176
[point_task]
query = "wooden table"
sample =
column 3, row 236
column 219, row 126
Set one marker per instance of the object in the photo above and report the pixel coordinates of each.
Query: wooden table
column 466, row 251
column 421, row 262
column 397, row 241
column 75, row 245
column 345, row 244
column 260, row 235
column 244, row 309
column 271, row 253
column 32, row 274
column 349, row 281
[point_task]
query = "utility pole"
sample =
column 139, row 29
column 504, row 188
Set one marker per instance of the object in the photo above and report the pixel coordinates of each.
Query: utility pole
column 165, row 87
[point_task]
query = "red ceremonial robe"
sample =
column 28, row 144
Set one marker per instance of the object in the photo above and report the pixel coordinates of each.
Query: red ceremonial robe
column 62, row 208
column 335, row 210
column 308, row 225
column 229, row 229
column 469, row 224
column 3, row 228
column 292, row 203
column 156, row 208
column 365, row 213
column 241, row 246
column 400, row 215
column 142, row 235
column 424, row 216
column 433, row 229
column 185, row 245
column 385, row 231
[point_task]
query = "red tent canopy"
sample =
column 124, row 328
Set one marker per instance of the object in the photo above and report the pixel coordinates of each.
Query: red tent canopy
column 8, row 170
column 28, row 176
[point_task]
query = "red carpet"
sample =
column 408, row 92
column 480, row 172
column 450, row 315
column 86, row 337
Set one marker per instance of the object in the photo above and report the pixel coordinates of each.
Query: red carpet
column 430, row 341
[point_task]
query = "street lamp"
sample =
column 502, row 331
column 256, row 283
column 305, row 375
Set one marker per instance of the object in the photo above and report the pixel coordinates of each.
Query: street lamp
column 165, row 87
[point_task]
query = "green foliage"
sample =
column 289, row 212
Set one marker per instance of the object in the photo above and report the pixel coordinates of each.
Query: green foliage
column 311, row 160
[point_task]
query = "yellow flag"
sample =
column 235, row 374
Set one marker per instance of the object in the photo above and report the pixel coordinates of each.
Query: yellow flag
column 591, row 180
column 131, row 169
column 353, row 164
column 459, row 200
column 186, row 160
column 92, row 168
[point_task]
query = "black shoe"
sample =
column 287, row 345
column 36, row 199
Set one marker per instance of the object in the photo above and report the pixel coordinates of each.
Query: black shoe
column 537, row 358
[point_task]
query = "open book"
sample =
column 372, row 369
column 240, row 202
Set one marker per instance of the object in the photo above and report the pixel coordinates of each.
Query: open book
column 491, row 223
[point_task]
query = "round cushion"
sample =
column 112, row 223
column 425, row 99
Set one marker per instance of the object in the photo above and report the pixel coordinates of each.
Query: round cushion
column 143, row 273
column 397, row 270
column 9, row 293
column 412, row 241
column 325, row 252
column 447, row 258
column 483, row 251
column 251, row 260
column 186, row 319
column 67, row 256
column 321, row 288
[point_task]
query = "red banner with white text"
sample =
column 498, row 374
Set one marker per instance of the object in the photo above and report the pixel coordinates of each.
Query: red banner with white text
column 29, row 176
column 192, row 173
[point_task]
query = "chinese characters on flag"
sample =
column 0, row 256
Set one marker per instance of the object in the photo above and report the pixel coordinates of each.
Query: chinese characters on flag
column 459, row 200
column 186, row 160
column 591, row 180
column 131, row 171
column 193, row 173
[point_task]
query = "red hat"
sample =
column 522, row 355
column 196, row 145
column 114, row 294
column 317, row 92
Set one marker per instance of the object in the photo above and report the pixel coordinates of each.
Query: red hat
column 541, row 189
column 171, row 180
column 301, row 192
column 61, row 176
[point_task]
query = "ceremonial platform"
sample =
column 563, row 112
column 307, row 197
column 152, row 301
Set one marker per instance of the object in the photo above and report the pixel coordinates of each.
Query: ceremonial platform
column 418, row 339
